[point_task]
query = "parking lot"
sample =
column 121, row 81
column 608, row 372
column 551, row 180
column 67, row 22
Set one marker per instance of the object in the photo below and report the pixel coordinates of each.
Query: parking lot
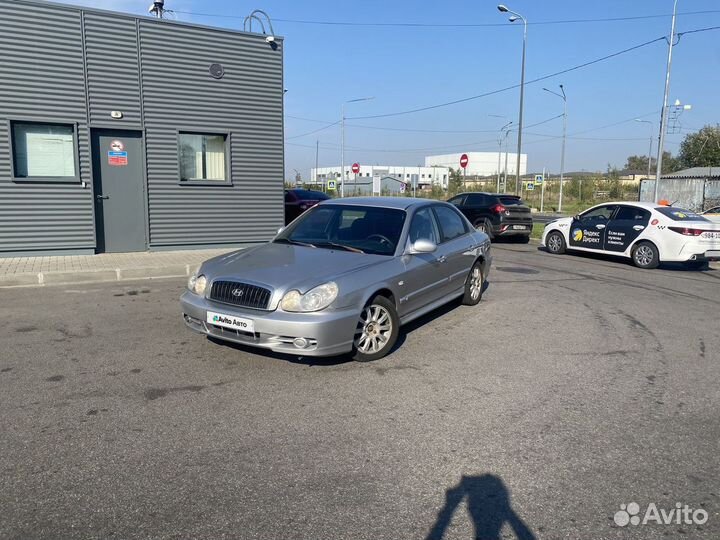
column 577, row 385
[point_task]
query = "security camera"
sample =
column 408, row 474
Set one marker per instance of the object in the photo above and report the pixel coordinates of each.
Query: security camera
column 270, row 39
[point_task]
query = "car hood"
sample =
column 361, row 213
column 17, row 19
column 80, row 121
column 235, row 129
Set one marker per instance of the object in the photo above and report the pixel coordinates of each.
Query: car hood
column 284, row 266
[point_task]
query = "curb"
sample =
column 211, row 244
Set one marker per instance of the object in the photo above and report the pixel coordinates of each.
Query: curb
column 104, row 275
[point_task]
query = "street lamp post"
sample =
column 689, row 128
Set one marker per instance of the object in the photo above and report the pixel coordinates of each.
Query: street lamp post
column 514, row 17
column 663, row 114
column 562, row 152
column 342, row 141
column 501, row 138
column 652, row 132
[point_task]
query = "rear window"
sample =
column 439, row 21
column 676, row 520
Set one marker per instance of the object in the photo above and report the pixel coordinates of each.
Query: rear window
column 679, row 214
column 511, row 201
column 308, row 194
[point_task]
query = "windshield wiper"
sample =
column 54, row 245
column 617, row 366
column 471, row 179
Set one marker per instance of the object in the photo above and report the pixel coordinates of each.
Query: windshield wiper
column 294, row 242
column 340, row 246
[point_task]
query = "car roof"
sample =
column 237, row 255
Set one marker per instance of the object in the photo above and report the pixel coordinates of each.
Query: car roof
column 402, row 203
column 489, row 194
column 648, row 205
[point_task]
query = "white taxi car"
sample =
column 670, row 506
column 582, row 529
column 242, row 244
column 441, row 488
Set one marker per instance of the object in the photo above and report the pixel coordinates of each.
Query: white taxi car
column 647, row 233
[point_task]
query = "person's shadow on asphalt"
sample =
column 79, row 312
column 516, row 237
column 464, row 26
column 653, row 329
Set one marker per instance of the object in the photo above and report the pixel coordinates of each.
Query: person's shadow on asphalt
column 488, row 503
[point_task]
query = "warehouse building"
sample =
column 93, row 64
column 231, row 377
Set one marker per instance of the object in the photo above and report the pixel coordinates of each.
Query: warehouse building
column 128, row 133
column 423, row 176
column 481, row 163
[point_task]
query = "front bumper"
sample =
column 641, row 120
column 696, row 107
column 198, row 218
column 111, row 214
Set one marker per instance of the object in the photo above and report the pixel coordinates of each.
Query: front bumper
column 327, row 333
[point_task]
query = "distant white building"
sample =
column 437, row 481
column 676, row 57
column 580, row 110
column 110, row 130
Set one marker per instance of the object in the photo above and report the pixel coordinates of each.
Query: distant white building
column 481, row 163
column 425, row 176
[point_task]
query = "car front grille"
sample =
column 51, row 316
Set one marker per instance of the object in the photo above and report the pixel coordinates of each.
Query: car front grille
column 240, row 294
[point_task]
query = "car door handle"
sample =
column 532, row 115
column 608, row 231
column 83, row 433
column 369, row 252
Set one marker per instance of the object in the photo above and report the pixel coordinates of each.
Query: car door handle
column 638, row 227
column 599, row 226
column 442, row 259
column 101, row 197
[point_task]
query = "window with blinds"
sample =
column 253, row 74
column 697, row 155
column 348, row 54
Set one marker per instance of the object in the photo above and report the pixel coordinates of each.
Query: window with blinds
column 202, row 157
column 43, row 151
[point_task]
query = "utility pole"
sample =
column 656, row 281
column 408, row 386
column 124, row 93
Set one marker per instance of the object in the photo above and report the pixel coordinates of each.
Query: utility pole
column 342, row 150
column 342, row 140
column 317, row 150
column 562, row 152
column 663, row 114
column 514, row 17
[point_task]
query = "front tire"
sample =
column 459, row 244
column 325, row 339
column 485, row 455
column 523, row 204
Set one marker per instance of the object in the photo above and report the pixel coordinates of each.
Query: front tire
column 474, row 285
column 646, row 256
column 377, row 330
column 555, row 243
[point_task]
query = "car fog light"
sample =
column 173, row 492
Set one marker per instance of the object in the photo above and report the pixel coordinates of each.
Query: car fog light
column 300, row 342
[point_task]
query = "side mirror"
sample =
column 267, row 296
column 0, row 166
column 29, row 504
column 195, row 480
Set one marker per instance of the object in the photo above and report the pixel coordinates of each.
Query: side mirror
column 576, row 217
column 423, row 245
column 281, row 229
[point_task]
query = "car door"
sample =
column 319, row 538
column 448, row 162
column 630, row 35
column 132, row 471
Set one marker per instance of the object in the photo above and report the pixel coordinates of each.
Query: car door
column 476, row 208
column 588, row 230
column 623, row 229
column 453, row 250
column 425, row 278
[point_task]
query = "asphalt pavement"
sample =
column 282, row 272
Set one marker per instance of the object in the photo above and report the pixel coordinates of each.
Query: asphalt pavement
column 576, row 386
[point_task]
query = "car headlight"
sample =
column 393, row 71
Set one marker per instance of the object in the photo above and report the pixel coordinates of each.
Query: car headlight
column 197, row 284
column 314, row 300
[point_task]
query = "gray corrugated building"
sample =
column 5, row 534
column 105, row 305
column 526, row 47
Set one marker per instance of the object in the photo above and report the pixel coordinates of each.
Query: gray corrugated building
column 127, row 133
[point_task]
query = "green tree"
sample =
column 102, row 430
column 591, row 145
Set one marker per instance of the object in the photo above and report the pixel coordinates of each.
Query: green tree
column 455, row 184
column 701, row 149
column 640, row 163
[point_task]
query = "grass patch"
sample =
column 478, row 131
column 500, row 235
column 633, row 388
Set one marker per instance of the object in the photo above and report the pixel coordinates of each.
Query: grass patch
column 537, row 230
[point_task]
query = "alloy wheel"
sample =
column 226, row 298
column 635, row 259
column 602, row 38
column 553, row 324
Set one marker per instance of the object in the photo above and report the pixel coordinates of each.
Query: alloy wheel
column 476, row 283
column 644, row 256
column 374, row 329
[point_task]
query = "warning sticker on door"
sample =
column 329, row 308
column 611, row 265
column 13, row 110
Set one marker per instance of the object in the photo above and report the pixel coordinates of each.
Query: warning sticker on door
column 118, row 159
column 117, row 146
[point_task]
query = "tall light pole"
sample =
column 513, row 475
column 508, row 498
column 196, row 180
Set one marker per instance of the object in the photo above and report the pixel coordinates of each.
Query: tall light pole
column 514, row 17
column 503, row 134
column 562, row 152
column 652, row 132
column 342, row 141
column 663, row 113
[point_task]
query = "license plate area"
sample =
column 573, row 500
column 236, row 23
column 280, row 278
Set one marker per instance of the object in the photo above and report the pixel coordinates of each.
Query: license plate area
column 519, row 227
column 241, row 324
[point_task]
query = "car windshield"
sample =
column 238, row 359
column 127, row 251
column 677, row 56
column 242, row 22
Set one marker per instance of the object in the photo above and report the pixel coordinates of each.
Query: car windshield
column 511, row 201
column 365, row 229
column 679, row 214
column 306, row 194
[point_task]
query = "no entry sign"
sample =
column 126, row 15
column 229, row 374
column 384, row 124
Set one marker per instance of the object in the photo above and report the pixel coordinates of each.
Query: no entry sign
column 464, row 161
column 355, row 168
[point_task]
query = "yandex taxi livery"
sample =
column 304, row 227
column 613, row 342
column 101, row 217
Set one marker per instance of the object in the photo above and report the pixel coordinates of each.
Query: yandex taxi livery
column 647, row 233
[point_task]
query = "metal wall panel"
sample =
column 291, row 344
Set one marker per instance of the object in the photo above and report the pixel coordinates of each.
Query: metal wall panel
column 683, row 192
column 42, row 78
column 112, row 69
column 247, row 103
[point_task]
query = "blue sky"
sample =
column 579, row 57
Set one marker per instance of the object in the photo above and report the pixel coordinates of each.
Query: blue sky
column 411, row 67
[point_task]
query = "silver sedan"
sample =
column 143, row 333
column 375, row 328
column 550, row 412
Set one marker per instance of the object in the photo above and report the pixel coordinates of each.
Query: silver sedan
column 341, row 278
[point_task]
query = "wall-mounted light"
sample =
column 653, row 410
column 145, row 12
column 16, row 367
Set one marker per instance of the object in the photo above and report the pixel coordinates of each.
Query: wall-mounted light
column 117, row 115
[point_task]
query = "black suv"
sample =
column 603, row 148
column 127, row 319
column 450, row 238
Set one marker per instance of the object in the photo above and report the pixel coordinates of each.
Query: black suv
column 299, row 200
column 497, row 215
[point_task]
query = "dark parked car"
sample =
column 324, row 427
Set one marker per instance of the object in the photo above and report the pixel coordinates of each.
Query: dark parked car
column 496, row 214
column 299, row 200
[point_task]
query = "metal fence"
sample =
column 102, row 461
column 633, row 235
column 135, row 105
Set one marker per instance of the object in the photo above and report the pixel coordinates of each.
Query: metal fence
column 696, row 194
